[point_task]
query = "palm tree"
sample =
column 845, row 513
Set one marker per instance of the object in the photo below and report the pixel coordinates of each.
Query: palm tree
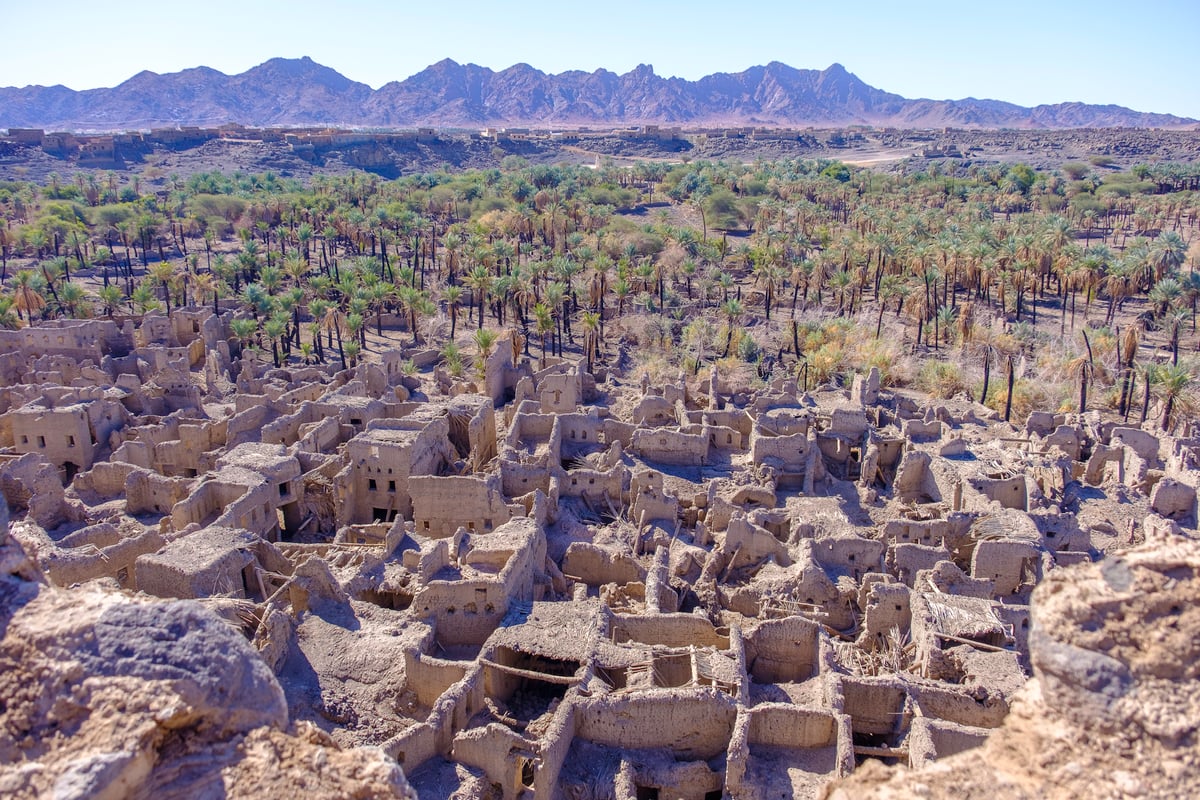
column 1165, row 295
column 74, row 300
column 590, row 321
column 699, row 333
column 26, row 285
column 331, row 323
column 1173, row 382
column 1150, row 374
column 161, row 273
column 453, row 296
column 1175, row 321
column 840, row 281
column 944, row 319
column 733, row 313
column 1127, row 347
column 1167, row 253
column 355, row 327
column 545, row 325
column 889, row 289
column 484, row 340
column 274, row 328
column 205, row 283
column 555, row 295
column 142, row 298
column 421, row 307
column 243, row 330
column 8, row 320
column 480, row 280
column 111, row 296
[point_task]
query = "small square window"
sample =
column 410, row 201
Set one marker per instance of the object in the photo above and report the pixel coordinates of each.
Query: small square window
column 41, row 441
column 391, row 486
column 70, row 441
column 24, row 439
column 371, row 484
column 425, row 525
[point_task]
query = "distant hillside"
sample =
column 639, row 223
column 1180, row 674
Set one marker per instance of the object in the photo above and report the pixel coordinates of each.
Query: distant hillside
column 284, row 92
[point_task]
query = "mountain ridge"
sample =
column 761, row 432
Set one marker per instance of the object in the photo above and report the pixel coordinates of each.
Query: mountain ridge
column 300, row 91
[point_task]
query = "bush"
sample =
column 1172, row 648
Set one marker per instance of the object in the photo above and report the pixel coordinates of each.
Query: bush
column 747, row 349
column 1075, row 170
column 825, row 362
column 1028, row 396
column 941, row 379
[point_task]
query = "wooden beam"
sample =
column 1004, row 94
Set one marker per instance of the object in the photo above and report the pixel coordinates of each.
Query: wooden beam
column 565, row 680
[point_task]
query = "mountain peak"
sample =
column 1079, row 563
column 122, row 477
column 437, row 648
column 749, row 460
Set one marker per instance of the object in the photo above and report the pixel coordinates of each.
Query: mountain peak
column 301, row 91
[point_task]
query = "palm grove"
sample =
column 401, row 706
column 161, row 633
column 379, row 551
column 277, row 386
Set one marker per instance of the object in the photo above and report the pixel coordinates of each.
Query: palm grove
column 1068, row 289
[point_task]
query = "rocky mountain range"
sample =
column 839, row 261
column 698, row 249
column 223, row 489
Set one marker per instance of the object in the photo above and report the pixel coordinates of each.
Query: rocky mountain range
column 296, row 92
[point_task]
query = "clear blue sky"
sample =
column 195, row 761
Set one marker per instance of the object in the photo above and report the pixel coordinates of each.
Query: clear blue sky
column 1137, row 54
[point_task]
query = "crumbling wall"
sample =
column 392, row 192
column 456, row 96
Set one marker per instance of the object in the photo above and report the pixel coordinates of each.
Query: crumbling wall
column 791, row 727
column 65, row 567
column 670, row 630
column 428, row 677
column 440, row 506
column 695, row 723
column 783, row 650
column 666, row 446
column 595, row 565
column 790, row 452
column 147, row 492
column 1009, row 492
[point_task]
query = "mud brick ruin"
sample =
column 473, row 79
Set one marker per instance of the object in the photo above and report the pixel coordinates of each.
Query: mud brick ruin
column 544, row 584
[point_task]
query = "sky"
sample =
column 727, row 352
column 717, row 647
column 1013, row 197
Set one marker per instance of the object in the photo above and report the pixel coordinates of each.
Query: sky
column 1135, row 54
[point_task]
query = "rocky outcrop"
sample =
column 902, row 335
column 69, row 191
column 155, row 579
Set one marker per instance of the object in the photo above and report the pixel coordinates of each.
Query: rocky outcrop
column 105, row 696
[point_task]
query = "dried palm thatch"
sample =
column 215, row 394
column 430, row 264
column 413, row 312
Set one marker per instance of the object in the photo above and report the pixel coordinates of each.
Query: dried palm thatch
column 893, row 653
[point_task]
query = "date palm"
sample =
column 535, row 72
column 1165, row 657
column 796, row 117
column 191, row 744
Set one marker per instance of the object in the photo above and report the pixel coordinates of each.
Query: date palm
column 8, row 319
column 74, row 301
column 485, row 342
column 274, row 329
column 27, row 288
column 162, row 273
column 590, row 321
column 112, row 297
column 1167, row 254
column 481, row 281
column 1173, row 383
column 453, row 297
column 889, row 289
column 243, row 330
column 544, row 320
column 733, row 310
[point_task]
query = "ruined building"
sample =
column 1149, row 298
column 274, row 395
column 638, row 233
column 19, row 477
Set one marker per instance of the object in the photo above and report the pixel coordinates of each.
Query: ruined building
column 554, row 584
